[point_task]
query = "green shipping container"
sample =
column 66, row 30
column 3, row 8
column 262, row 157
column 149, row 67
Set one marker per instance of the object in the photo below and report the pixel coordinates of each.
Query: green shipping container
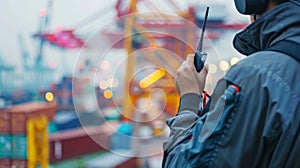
column 5, row 146
column 19, row 146
column 52, row 128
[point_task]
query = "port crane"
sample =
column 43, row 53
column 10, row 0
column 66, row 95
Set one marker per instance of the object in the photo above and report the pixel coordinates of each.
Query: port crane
column 153, row 34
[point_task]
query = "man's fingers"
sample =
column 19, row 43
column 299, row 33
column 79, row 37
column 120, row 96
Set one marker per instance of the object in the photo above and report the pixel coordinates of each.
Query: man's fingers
column 204, row 71
column 190, row 58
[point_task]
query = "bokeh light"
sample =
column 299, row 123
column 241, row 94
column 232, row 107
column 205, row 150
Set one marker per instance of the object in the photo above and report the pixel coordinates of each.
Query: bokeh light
column 43, row 12
column 224, row 65
column 49, row 96
column 108, row 94
column 234, row 60
column 104, row 65
column 212, row 68
column 103, row 85
column 153, row 77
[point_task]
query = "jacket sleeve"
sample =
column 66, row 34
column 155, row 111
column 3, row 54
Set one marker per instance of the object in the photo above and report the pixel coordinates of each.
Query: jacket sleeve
column 182, row 123
column 194, row 139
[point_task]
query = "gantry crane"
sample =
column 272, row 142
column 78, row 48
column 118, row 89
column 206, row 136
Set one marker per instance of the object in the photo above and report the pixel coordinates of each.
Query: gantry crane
column 162, row 39
column 184, row 30
column 6, row 77
column 37, row 75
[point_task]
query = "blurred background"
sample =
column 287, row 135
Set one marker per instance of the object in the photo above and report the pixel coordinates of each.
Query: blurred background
column 91, row 83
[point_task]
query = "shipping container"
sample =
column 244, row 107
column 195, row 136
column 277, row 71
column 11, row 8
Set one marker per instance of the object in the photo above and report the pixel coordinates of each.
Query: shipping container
column 5, row 163
column 77, row 142
column 19, row 146
column 52, row 127
column 18, row 163
column 19, row 114
column 5, row 146
column 65, row 120
column 122, row 137
column 4, row 121
column 113, row 160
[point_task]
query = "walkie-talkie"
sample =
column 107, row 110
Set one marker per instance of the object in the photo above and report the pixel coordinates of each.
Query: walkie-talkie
column 200, row 56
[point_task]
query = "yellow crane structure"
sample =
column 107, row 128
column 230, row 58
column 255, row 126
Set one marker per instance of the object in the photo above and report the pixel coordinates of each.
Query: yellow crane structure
column 180, row 25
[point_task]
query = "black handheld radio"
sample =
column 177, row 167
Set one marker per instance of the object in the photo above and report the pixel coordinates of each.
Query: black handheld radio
column 200, row 56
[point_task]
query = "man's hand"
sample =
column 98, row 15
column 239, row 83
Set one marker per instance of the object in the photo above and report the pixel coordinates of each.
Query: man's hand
column 188, row 80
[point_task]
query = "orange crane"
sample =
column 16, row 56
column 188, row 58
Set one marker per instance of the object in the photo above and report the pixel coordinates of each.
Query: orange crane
column 162, row 40
column 157, row 55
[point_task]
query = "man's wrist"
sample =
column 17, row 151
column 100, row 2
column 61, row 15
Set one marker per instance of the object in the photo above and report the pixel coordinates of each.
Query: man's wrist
column 189, row 92
column 190, row 101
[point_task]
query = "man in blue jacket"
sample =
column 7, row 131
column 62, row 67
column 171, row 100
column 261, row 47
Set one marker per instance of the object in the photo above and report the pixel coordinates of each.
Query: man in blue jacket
column 254, row 115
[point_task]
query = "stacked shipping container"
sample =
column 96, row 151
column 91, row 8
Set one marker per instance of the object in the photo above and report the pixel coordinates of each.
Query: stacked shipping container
column 13, row 131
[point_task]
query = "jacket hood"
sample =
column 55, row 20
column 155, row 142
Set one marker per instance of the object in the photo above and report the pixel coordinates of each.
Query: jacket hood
column 280, row 23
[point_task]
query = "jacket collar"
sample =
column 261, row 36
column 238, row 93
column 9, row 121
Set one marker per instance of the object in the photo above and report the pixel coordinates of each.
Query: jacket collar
column 277, row 24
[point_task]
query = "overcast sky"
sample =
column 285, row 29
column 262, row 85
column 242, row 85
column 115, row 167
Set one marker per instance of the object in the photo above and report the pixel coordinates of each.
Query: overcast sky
column 21, row 17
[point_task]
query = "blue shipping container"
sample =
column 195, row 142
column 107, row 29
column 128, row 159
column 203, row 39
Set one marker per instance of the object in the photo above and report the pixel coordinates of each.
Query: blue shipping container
column 19, row 146
column 5, row 146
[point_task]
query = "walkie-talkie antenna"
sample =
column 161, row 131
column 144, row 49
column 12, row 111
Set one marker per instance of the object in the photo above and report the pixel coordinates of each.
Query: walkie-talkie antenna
column 200, row 56
column 203, row 30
